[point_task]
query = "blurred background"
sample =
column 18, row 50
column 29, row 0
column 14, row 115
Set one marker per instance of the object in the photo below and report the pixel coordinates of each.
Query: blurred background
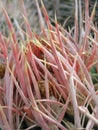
column 64, row 10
